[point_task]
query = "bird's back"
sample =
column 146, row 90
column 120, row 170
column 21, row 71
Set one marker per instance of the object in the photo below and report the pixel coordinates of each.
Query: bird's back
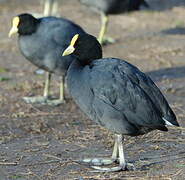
column 44, row 47
column 114, row 96
column 114, row 6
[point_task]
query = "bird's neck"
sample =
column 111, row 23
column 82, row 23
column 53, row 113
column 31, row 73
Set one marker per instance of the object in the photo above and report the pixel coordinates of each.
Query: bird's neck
column 32, row 28
column 85, row 61
column 75, row 66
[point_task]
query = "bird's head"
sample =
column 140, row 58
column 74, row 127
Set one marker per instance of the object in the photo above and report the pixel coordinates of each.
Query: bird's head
column 23, row 24
column 85, row 47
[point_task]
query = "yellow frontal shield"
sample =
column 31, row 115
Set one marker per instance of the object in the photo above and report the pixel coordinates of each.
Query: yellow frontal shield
column 70, row 49
column 15, row 23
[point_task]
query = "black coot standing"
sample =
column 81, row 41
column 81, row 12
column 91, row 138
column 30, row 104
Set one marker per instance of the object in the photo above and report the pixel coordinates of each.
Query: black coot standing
column 116, row 95
column 108, row 7
column 41, row 41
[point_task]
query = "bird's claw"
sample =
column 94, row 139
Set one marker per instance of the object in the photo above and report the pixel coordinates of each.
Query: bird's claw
column 43, row 100
column 99, row 161
column 107, row 169
column 124, row 167
column 107, row 40
column 55, row 102
column 35, row 100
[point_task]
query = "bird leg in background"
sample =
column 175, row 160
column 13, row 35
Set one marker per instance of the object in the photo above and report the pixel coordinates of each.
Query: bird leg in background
column 47, row 85
column 104, row 24
column 45, row 98
column 55, row 8
column 50, row 7
column 117, row 156
column 41, row 99
column 61, row 100
column 47, row 7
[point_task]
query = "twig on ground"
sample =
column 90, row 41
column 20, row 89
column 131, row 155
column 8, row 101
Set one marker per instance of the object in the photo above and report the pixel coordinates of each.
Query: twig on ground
column 8, row 163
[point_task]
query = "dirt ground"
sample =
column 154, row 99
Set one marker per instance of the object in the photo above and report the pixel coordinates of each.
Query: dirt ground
column 43, row 142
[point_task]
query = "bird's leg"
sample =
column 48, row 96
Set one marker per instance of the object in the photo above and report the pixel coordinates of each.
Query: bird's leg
column 54, row 10
column 122, row 164
column 104, row 161
column 41, row 99
column 48, row 7
column 115, row 150
column 62, row 89
column 61, row 100
column 104, row 23
column 47, row 85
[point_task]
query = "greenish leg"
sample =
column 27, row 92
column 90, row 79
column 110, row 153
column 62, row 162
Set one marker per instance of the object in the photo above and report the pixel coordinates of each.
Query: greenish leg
column 61, row 99
column 45, row 98
column 104, row 24
column 41, row 99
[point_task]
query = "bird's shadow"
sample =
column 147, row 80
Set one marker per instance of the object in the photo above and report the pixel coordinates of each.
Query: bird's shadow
column 174, row 31
column 152, row 161
column 162, row 5
column 167, row 73
column 150, row 164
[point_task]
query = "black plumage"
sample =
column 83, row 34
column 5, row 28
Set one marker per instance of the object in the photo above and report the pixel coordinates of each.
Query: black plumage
column 42, row 40
column 110, row 7
column 114, row 6
column 114, row 93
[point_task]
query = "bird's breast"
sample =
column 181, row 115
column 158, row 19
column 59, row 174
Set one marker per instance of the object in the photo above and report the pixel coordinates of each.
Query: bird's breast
column 31, row 48
column 78, row 86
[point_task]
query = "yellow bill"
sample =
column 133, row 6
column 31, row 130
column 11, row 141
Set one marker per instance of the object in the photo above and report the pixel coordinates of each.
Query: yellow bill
column 70, row 49
column 15, row 23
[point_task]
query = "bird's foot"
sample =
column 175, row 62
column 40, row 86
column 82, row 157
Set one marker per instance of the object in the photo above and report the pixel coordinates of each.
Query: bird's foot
column 43, row 100
column 96, row 164
column 39, row 71
column 121, row 167
column 108, row 169
column 99, row 161
column 55, row 102
column 107, row 40
column 35, row 100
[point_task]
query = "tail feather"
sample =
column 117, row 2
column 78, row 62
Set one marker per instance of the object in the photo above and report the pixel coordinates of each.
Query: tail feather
column 174, row 123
